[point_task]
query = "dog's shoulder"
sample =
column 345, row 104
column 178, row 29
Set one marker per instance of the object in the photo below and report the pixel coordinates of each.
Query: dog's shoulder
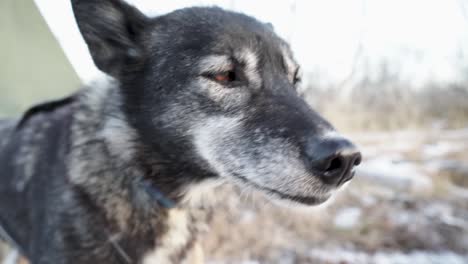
column 39, row 137
column 45, row 107
column 32, row 149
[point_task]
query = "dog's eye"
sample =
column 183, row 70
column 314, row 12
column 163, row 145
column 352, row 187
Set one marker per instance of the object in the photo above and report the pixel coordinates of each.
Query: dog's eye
column 225, row 77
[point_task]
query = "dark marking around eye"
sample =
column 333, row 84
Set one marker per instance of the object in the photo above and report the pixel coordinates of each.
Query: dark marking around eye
column 231, row 78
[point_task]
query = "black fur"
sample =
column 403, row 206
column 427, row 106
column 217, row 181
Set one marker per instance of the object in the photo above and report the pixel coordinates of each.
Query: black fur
column 104, row 175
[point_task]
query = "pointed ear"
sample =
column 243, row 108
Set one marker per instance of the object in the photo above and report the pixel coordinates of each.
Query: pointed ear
column 112, row 29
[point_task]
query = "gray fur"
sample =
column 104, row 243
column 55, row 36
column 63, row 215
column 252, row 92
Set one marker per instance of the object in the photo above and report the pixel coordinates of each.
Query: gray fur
column 120, row 171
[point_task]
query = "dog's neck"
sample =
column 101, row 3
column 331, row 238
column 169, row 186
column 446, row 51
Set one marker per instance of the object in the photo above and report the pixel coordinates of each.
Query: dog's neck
column 121, row 177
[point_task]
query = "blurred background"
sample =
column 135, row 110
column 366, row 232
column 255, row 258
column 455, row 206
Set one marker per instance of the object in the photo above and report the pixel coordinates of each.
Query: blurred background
column 392, row 75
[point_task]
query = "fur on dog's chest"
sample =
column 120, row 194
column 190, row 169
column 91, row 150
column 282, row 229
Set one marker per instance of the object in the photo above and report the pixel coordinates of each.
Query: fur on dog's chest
column 179, row 238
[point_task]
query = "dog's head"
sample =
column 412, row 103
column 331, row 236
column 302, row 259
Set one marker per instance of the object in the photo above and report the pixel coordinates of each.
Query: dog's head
column 218, row 91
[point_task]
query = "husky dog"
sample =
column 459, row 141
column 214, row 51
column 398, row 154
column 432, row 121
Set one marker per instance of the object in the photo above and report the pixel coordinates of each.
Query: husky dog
column 116, row 173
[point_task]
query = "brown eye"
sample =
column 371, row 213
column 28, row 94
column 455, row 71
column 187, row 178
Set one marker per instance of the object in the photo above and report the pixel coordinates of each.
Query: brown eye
column 225, row 77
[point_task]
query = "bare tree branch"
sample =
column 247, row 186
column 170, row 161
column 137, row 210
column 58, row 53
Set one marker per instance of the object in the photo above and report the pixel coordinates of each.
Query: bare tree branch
column 358, row 54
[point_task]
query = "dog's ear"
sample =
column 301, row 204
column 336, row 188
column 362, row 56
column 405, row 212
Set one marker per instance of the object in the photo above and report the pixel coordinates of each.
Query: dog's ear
column 112, row 29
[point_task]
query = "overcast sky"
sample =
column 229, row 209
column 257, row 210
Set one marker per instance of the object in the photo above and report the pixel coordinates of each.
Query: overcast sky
column 422, row 38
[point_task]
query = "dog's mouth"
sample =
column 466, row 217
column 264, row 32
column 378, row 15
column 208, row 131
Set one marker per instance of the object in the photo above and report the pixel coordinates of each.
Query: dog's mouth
column 306, row 200
column 275, row 194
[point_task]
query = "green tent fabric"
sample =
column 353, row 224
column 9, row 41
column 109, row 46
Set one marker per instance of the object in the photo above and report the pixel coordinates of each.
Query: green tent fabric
column 33, row 66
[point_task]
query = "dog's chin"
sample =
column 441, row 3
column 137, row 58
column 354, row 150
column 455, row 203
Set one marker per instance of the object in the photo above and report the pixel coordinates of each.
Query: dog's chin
column 283, row 198
column 305, row 204
column 298, row 202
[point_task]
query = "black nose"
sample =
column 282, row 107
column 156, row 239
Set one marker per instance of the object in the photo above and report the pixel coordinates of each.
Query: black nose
column 333, row 159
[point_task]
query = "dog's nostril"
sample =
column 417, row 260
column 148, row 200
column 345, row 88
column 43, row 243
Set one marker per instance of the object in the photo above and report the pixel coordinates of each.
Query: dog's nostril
column 335, row 164
column 357, row 159
column 333, row 159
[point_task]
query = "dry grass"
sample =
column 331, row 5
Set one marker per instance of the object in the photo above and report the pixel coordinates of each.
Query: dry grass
column 383, row 107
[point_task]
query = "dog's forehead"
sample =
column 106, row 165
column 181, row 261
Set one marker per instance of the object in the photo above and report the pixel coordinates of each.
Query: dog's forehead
column 217, row 31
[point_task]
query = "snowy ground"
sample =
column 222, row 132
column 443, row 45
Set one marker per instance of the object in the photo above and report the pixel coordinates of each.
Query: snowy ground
column 407, row 205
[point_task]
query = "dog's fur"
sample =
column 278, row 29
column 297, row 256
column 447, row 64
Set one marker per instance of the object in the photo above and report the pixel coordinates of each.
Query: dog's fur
column 117, row 172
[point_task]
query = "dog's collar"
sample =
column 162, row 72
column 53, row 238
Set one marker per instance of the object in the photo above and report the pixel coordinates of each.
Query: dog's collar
column 161, row 199
column 157, row 195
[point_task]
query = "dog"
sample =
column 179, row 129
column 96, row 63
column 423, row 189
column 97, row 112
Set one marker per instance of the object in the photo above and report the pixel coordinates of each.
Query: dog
column 120, row 171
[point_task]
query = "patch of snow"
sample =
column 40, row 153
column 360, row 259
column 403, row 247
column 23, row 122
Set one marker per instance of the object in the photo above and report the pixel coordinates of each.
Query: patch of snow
column 402, row 218
column 348, row 218
column 458, row 191
column 416, row 257
column 368, row 200
column 456, row 134
column 444, row 213
column 392, row 172
column 248, row 216
column 441, row 149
